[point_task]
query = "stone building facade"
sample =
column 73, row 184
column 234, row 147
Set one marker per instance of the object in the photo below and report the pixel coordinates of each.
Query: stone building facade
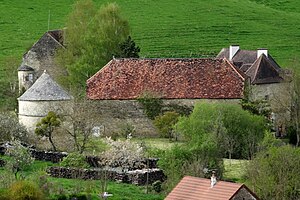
column 268, row 81
column 115, row 88
column 40, row 57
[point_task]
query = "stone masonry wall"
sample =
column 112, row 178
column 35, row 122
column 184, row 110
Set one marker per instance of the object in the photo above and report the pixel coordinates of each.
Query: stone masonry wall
column 137, row 177
column 278, row 96
column 112, row 114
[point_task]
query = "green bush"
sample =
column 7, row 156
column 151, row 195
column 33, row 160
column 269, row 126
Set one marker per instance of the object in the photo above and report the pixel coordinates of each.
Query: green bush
column 25, row 190
column 157, row 186
column 75, row 160
column 165, row 123
column 152, row 104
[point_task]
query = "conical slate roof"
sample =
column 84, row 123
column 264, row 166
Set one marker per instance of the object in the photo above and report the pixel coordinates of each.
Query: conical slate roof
column 45, row 89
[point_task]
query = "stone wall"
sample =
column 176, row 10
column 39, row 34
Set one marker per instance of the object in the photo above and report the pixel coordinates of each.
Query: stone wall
column 41, row 55
column 279, row 98
column 54, row 157
column 112, row 114
column 137, row 177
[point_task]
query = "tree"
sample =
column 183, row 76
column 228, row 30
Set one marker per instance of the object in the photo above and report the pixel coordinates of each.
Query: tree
column 128, row 49
column 235, row 130
column 83, row 121
column 274, row 174
column 165, row 123
column 11, row 128
column 92, row 38
column 20, row 157
column 121, row 153
column 47, row 126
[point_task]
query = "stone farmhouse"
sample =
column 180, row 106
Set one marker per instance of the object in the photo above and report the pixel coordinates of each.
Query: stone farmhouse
column 39, row 57
column 194, row 188
column 268, row 80
column 115, row 88
column 118, row 84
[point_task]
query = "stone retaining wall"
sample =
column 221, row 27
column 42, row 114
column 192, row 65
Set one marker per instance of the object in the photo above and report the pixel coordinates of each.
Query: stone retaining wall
column 137, row 177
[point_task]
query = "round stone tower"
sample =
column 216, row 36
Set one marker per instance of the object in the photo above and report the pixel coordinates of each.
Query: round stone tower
column 43, row 96
column 26, row 76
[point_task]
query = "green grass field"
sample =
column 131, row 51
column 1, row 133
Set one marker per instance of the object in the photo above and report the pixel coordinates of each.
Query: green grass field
column 166, row 28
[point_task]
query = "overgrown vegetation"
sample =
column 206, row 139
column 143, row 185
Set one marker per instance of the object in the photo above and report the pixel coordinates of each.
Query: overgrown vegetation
column 20, row 159
column 74, row 160
column 11, row 128
column 152, row 104
column 274, row 173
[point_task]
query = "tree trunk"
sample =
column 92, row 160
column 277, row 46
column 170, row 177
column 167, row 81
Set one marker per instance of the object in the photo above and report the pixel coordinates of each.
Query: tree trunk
column 51, row 141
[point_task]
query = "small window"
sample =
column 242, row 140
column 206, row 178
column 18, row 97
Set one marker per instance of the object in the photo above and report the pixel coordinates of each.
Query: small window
column 30, row 77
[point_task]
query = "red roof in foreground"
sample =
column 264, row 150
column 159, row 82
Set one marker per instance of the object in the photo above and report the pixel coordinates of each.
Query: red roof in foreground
column 169, row 78
column 194, row 188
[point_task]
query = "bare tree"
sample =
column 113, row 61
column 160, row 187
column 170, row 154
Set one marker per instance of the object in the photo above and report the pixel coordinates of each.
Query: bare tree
column 83, row 120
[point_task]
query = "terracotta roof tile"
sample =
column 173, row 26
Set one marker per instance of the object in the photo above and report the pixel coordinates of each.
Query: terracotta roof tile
column 170, row 78
column 194, row 188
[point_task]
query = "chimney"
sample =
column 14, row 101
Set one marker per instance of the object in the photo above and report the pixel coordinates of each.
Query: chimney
column 213, row 180
column 262, row 51
column 233, row 49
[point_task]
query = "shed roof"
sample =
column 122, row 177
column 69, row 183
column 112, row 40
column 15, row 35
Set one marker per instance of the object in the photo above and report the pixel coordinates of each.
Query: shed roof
column 45, row 89
column 194, row 188
column 170, row 78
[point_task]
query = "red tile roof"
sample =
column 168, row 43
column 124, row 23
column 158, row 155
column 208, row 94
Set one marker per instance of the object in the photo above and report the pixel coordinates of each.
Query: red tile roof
column 170, row 78
column 194, row 188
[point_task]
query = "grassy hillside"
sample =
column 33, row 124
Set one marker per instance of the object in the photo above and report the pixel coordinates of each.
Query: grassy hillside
column 168, row 28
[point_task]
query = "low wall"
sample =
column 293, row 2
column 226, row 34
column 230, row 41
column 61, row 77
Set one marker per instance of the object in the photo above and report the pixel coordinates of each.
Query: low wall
column 137, row 177
column 93, row 161
column 54, row 157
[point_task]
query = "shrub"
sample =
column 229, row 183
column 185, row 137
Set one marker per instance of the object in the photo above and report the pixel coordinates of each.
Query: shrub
column 123, row 153
column 20, row 157
column 274, row 174
column 152, row 104
column 165, row 123
column 74, row 160
column 10, row 128
column 25, row 190
column 157, row 186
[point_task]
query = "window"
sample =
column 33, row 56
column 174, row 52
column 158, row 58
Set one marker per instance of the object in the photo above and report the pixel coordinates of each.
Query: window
column 29, row 78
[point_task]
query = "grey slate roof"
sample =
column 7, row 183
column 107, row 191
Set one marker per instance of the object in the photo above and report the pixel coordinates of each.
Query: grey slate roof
column 25, row 68
column 45, row 89
column 243, row 58
column 264, row 71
